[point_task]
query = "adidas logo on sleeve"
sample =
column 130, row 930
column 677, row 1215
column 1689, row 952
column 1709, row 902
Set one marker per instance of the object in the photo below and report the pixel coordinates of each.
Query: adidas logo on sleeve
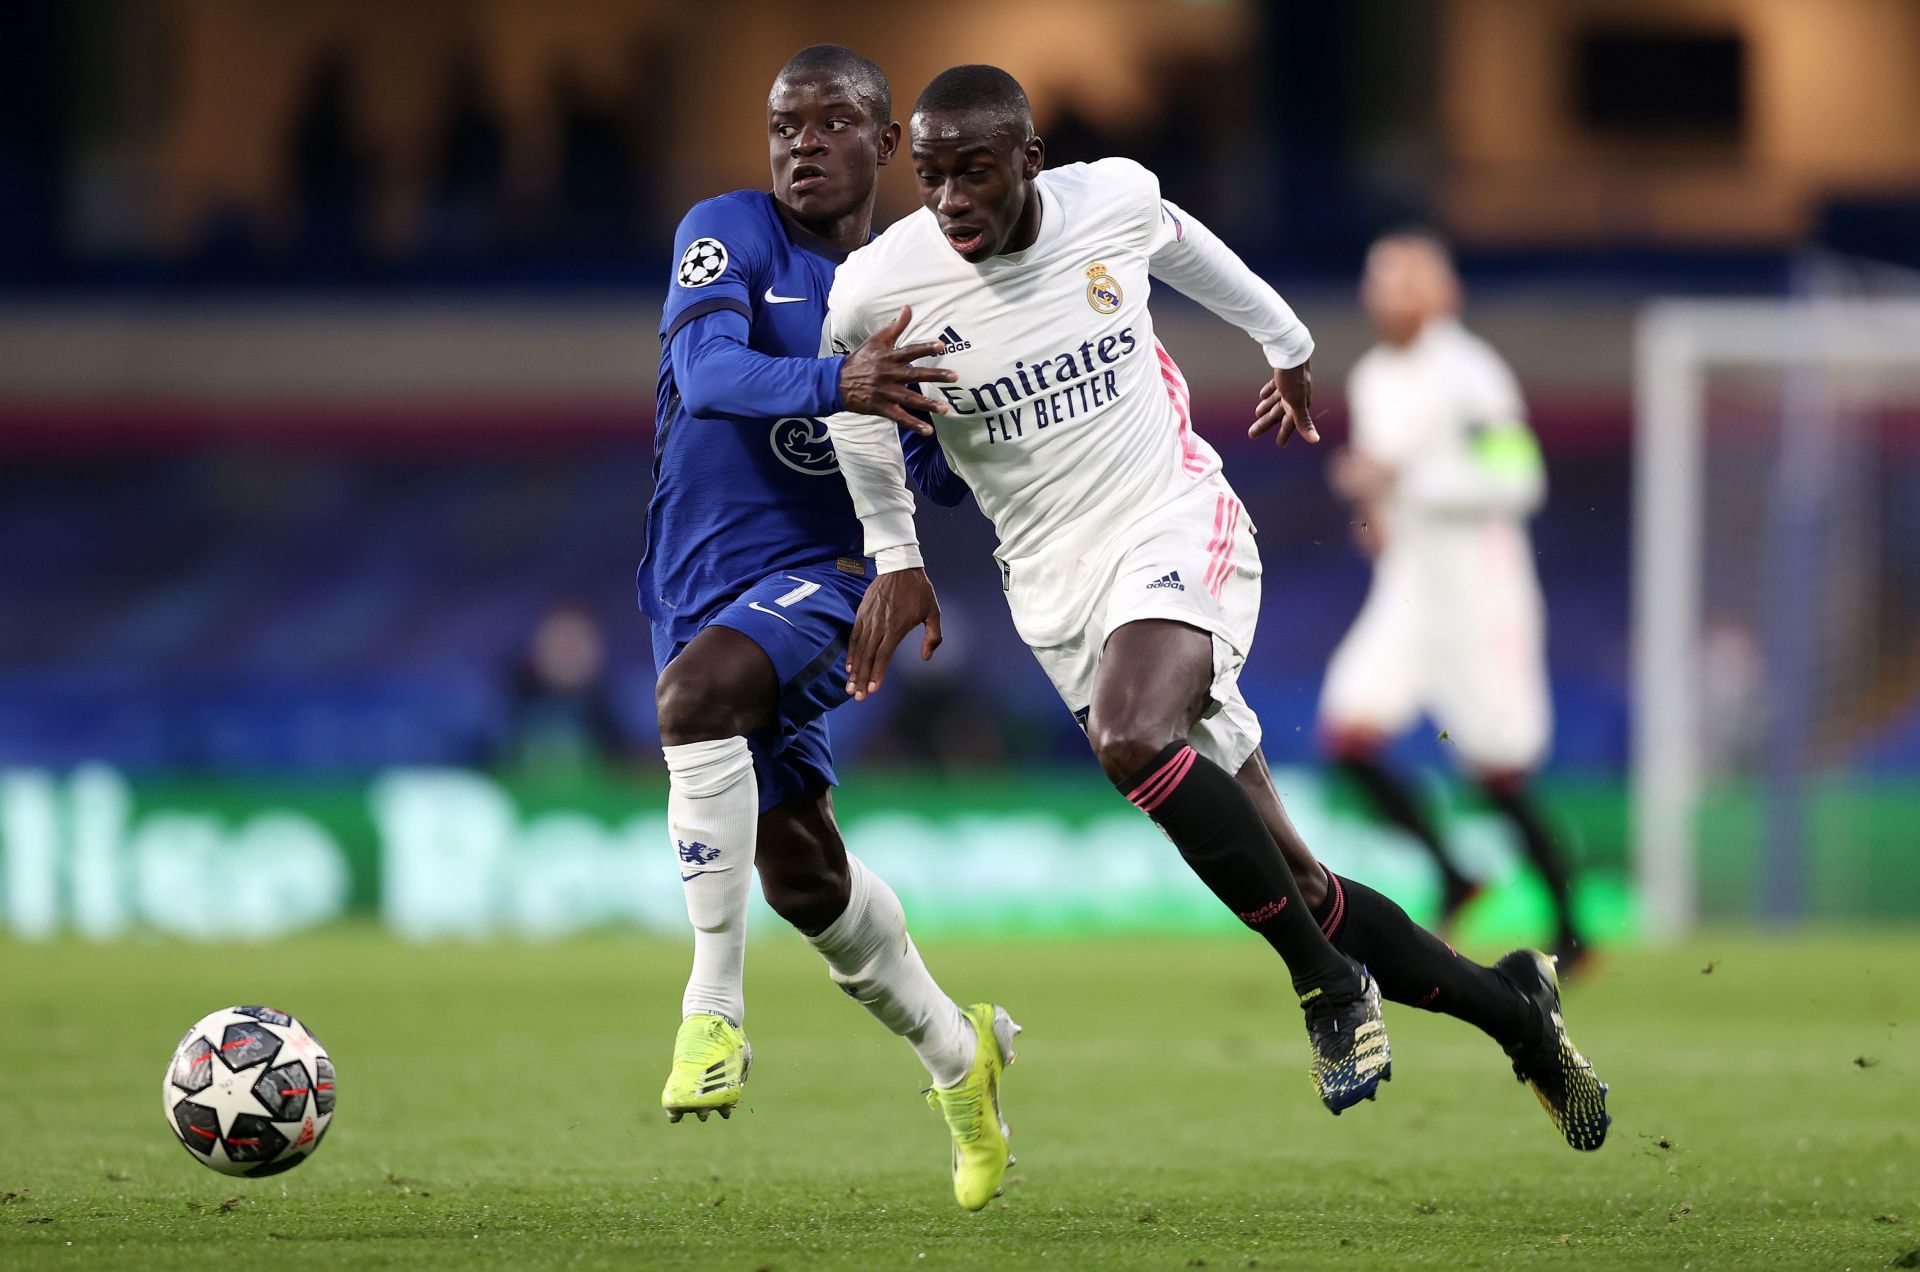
column 1171, row 579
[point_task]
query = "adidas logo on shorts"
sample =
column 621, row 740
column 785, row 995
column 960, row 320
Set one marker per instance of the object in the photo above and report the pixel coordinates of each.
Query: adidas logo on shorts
column 1171, row 580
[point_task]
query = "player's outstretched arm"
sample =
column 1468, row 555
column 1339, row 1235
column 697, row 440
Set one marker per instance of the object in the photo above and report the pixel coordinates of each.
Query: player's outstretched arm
column 716, row 292
column 720, row 377
column 869, row 450
column 1192, row 259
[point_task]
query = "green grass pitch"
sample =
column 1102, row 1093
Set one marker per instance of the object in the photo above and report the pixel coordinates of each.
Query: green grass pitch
column 498, row 1108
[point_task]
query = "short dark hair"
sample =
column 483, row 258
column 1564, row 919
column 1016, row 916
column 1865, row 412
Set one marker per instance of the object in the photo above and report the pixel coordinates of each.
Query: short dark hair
column 977, row 89
column 863, row 79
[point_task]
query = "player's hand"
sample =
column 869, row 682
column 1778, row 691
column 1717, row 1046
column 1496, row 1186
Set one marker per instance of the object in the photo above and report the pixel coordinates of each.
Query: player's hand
column 896, row 604
column 878, row 379
column 1357, row 477
column 1283, row 404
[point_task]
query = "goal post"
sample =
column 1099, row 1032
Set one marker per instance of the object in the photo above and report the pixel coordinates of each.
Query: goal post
column 1754, row 422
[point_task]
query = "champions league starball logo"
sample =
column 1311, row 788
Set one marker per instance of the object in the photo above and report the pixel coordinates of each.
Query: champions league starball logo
column 704, row 261
column 803, row 445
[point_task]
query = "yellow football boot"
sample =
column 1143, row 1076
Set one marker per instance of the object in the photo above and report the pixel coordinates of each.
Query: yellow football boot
column 972, row 1109
column 711, row 1057
column 1562, row 1079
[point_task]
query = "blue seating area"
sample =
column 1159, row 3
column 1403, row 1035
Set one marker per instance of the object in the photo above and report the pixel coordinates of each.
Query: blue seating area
column 276, row 610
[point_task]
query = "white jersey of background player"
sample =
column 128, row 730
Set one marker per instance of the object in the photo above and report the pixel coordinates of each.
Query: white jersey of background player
column 1445, row 474
column 1071, row 424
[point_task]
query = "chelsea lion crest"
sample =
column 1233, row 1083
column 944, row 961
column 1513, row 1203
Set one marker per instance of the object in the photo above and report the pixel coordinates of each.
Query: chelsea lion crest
column 1103, row 292
column 804, row 446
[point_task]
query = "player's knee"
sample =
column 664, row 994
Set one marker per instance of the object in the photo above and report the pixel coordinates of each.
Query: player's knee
column 1313, row 885
column 695, row 705
column 1124, row 745
column 811, row 898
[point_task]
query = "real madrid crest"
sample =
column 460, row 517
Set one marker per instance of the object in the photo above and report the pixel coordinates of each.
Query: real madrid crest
column 1103, row 292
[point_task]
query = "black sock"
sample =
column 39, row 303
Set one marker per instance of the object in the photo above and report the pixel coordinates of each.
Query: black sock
column 1217, row 829
column 1415, row 967
column 1397, row 804
column 1519, row 808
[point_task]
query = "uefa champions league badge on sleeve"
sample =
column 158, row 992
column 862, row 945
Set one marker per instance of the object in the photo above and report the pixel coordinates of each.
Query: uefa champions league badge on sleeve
column 704, row 260
column 249, row 1091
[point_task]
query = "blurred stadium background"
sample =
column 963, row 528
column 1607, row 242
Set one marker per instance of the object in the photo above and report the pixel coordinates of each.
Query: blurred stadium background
column 327, row 340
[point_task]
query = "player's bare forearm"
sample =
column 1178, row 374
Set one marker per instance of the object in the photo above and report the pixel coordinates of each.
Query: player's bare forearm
column 1285, row 402
column 897, row 603
column 879, row 379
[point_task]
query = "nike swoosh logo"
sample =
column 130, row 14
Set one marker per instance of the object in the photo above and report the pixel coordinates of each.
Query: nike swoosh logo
column 755, row 605
column 772, row 299
column 695, row 875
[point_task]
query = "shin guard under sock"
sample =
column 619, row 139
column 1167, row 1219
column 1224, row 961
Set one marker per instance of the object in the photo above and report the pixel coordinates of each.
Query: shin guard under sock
column 1217, row 829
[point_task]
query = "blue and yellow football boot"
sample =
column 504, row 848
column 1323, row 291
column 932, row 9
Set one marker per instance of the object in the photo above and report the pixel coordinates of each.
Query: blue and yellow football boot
column 1351, row 1057
column 1562, row 1079
column 711, row 1057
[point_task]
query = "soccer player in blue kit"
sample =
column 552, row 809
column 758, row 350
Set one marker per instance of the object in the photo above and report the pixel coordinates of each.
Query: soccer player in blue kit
column 753, row 573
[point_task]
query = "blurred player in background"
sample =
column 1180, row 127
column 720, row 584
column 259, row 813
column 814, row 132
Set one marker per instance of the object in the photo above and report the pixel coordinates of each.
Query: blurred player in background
column 562, row 717
column 1443, row 474
column 1128, row 562
column 752, row 575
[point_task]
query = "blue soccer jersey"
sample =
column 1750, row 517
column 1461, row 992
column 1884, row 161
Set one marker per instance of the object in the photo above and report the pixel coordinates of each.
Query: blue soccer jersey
column 745, row 480
column 751, row 526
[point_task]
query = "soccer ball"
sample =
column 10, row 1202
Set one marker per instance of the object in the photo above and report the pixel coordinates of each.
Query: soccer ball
column 249, row 1091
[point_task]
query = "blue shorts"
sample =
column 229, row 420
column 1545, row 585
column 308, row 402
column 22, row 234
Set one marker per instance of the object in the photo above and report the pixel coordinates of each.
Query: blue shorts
column 802, row 619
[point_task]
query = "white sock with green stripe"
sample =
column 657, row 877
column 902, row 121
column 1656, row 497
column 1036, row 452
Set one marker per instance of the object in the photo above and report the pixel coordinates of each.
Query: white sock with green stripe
column 871, row 956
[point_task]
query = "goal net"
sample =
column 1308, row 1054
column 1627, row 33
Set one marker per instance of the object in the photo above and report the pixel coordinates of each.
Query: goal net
column 1776, row 625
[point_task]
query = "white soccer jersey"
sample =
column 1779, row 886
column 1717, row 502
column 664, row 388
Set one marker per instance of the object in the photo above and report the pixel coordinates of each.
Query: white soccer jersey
column 1065, row 422
column 1453, row 626
column 1446, row 414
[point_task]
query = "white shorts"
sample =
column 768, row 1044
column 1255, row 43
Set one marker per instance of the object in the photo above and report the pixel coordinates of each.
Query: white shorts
column 1473, row 659
column 1195, row 563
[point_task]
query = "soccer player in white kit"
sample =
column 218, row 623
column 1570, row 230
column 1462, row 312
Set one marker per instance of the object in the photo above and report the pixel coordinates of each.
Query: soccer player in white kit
column 1128, row 561
column 1443, row 474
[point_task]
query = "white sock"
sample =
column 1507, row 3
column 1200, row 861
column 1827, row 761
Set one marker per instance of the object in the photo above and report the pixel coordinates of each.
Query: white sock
column 713, row 806
column 873, row 959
